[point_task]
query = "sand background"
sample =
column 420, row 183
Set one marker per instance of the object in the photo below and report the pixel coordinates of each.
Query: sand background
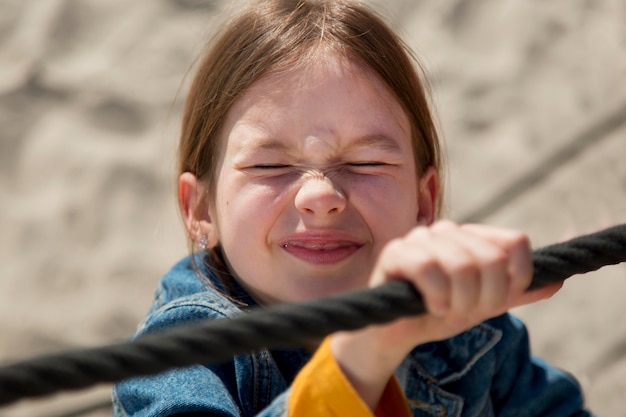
column 531, row 97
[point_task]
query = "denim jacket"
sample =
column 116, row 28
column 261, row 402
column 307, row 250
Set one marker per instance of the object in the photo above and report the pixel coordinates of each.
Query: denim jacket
column 485, row 371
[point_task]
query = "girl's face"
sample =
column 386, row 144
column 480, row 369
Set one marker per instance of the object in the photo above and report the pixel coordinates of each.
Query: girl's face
column 317, row 174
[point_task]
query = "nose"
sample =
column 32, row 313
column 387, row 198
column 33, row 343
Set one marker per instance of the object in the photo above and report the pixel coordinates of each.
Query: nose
column 319, row 196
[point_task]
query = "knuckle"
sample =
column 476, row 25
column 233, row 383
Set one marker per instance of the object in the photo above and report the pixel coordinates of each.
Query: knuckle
column 444, row 225
column 418, row 233
column 426, row 265
column 496, row 258
column 518, row 239
column 465, row 267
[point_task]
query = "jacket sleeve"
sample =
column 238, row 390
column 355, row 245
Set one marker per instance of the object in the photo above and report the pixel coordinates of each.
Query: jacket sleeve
column 247, row 385
column 192, row 391
column 238, row 387
column 526, row 385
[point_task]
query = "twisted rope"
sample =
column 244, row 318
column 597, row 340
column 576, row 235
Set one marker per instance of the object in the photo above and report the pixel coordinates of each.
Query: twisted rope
column 582, row 254
column 281, row 326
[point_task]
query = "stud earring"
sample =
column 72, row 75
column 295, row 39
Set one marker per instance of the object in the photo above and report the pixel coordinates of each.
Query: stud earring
column 203, row 242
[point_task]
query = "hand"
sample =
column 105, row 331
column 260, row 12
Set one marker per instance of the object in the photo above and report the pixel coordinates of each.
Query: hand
column 466, row 274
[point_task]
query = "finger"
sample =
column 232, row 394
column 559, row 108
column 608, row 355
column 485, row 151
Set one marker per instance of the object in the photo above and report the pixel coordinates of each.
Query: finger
column 492, row 262
column 413, row 260
column 517, row 247
column 459, row 263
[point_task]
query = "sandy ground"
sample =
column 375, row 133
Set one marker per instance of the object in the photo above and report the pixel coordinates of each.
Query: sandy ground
column 531, row 98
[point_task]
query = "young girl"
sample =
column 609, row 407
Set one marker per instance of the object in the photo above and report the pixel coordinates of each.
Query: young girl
column 309, row 165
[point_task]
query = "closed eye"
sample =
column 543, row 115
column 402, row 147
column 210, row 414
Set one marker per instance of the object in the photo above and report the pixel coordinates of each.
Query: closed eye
column 369, row 167
column 270, row 166
column 269, row 170
column 366, row 164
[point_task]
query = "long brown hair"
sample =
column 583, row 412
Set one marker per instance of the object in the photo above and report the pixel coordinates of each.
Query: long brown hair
column 281, row 35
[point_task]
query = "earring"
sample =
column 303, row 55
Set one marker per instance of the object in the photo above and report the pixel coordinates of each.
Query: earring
column 203, row 242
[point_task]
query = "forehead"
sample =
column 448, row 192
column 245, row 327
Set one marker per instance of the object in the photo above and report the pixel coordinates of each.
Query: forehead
column 314, row 72
column 320, row 91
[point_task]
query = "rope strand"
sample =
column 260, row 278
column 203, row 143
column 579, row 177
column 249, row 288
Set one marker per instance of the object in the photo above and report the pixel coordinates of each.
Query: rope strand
column 280, row 326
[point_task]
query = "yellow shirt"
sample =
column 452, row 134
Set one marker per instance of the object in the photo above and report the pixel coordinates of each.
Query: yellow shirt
column 321, row 389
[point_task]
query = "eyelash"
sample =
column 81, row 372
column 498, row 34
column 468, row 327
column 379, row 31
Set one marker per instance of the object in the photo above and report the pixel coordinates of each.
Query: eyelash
column 366, row 164
column 351, row 164
column 277, row 166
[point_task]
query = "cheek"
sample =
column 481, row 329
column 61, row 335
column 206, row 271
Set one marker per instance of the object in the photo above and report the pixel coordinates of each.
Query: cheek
column 389, row 207
column 390, row 197
column 246, row 211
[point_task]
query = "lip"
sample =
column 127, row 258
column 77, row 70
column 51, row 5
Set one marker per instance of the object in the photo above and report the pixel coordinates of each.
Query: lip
column 321, row 248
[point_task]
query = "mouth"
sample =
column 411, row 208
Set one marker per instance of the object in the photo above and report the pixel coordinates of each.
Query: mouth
column 320, row 251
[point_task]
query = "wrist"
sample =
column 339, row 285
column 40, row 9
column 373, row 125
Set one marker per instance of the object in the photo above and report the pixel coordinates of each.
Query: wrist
column 365, row 362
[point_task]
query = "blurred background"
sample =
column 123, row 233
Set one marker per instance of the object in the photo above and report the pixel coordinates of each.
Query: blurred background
column 531, row 99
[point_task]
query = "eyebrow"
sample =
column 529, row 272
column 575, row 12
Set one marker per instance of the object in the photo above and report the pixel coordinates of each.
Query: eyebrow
column 379, row 141
column 269, row 145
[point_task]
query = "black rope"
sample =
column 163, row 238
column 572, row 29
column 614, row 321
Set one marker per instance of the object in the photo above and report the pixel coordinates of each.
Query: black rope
column 280, row 326
column 582, row 254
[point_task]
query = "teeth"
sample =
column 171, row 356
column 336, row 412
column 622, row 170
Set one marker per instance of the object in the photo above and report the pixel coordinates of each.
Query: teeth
column 316, row 246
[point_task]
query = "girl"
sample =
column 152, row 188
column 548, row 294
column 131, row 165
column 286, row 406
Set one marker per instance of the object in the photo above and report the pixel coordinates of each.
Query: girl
column 309, row 165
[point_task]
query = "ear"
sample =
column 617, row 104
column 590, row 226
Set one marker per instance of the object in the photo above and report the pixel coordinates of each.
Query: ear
column 195, row 209
column 427, row 197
